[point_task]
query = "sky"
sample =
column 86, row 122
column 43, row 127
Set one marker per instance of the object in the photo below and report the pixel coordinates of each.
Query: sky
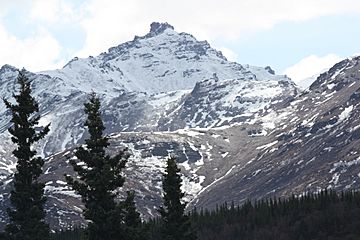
column 299, row 38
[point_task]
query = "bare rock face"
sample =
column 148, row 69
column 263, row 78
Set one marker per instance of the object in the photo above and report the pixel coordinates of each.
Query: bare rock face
column 158, row 28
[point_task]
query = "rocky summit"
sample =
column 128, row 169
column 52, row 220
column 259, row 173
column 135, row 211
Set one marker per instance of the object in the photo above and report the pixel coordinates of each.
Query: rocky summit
column 239, row 131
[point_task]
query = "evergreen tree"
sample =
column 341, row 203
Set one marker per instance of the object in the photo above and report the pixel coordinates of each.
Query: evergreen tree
column 27, row 197
column 99, row 177
column 176, row 225
column 132, row 218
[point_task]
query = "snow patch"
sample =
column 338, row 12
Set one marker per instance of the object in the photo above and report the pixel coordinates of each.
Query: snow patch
column 346, row 113
column 267, row 145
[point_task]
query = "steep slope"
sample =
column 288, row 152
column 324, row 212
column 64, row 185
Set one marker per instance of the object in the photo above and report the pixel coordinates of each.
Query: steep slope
column 216, row 103
column 147, row 84
column 199, row 154
column 313, row 143
column 161, row 61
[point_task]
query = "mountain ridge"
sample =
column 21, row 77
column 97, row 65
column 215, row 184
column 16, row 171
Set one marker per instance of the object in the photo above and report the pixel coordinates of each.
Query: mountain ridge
column 239, row 131
column 136, row 81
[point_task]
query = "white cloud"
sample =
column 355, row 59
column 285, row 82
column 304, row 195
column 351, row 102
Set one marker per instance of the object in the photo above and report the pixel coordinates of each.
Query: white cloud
column 307, row 69
column 40, row 50
column 52, row 11
column 111, row 22
column 35, row 53
column 5, row 5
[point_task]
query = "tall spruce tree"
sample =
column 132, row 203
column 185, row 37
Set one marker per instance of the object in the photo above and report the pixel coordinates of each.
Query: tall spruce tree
column 27, row 197
column 100, row 176
column 176, row 224
column 132, row 218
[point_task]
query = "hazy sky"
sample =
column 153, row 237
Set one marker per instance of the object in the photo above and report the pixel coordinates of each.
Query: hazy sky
column 298, row 38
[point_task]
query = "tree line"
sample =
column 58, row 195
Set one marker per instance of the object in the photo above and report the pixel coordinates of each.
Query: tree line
column 326, row 215
column 98, row 175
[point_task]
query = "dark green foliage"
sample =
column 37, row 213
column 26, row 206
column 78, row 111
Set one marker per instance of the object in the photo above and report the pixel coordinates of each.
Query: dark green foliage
column 152, row 229
column 323, row 216
column 27, row 197
column 132, row 218
column 74, row 234
column 175, row 224
column 326, row 215
column 2, row 236
column 100, row 176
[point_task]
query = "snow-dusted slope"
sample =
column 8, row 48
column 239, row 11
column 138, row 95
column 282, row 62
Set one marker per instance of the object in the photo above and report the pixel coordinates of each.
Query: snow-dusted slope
column 146, row 84
column 215, row 103
column 162, row 81
column 161, row 61
column 311, row 143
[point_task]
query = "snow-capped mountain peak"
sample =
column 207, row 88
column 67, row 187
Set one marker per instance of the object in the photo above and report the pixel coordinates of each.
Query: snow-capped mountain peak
column 162, row 60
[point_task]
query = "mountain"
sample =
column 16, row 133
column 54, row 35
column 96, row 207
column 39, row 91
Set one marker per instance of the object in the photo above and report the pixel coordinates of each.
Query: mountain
column 313, row 144
column 162, row 92
column 147, row 84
